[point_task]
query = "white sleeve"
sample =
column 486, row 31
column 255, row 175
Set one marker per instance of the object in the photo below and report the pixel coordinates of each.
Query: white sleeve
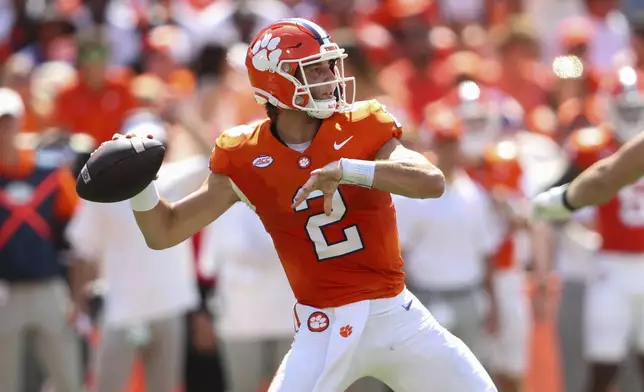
column 84, row 231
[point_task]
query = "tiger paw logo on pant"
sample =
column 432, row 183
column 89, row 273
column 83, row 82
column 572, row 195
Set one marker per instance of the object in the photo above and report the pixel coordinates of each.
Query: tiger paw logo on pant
column 318, row 322
column 346, row 331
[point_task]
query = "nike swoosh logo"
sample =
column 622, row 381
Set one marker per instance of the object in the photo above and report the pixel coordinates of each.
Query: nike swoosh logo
column 339, row 146
column 408, row 305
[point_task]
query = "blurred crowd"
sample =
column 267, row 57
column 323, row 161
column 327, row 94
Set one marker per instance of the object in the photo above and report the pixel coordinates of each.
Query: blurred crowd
column 495, row 92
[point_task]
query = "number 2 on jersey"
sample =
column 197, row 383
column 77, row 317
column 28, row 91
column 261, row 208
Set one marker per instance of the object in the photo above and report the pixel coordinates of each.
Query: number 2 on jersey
column 315, row 224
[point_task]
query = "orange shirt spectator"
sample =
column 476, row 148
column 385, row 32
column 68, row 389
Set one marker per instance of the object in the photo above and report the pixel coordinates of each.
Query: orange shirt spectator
column 96, row 104
column 99, row 113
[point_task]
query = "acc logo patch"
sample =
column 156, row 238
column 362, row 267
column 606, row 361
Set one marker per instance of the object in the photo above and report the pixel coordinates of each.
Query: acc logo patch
column 318, row 322
column 263, row 161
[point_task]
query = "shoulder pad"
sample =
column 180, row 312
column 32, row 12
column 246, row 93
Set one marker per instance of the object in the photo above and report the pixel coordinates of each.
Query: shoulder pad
column 362, row 110
column 372, row 109
column 239, row 136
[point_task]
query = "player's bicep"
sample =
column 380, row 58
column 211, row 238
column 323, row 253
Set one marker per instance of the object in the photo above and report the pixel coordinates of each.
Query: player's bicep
column 208, row 203
column 393, row 150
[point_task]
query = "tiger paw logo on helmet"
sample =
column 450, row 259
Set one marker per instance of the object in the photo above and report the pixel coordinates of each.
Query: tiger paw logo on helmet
column 265, row 55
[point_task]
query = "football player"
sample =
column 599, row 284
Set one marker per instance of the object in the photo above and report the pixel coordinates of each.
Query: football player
column 612, row 159
column 334, row 227
column 596, row 185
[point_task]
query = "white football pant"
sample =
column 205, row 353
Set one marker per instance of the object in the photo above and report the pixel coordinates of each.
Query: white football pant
column 395, row 340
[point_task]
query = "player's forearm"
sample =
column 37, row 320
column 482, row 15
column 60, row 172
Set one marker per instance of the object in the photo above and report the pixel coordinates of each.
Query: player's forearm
column 159, row 227
column 592, row 187
column 409, row 178
column 168, row 224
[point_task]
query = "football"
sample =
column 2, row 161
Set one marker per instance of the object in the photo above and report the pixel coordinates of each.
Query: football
column 120, row 169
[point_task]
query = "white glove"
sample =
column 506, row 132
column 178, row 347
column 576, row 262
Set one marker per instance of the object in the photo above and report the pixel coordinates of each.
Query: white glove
column 550, row 205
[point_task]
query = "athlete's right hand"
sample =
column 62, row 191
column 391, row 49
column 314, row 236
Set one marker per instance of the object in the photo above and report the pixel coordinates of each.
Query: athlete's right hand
column 326, row 180
column 550, row 205
column 117, row 136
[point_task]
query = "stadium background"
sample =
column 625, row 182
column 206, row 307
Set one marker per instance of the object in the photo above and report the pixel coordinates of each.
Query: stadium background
column 184, row 59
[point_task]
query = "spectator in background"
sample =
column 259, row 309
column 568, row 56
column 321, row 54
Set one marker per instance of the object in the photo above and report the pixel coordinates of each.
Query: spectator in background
column 577, row 77
column 95, row 105
column 256, row 302
column 47, row 81
column 16, row 75
column 521, row 76
column 116, row 24
column 36, row 200
column 610, row 33
column 38, row 87
column 204, row 367
column 225, row 98
column 224, row 23
column 448, row 245
column 413, row 80
column 148, row 292
column 17, row 27
column 54, row 39
column 165, row 51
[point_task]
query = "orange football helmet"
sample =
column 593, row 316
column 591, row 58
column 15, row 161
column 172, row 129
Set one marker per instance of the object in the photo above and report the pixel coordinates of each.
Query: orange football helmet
column 276, row 59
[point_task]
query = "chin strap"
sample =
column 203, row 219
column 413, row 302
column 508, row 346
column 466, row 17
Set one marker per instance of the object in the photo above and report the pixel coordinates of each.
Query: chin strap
column 321, row 103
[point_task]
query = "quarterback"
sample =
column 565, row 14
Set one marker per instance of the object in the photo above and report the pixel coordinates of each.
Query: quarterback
column 319, row 172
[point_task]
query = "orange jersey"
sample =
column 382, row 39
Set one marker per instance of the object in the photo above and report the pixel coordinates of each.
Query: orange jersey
column 620, row 222
column 349, row 256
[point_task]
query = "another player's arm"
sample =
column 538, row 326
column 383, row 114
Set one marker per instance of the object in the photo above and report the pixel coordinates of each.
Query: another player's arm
column 603, row 180
column 404, row 172
column 165, row 224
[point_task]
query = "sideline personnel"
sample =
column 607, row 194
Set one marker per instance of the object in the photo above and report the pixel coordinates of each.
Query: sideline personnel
column 36, row 199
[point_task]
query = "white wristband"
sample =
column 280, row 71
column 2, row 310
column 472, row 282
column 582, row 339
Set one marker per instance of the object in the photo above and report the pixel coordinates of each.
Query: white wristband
column 357, row 172
column 146, row 200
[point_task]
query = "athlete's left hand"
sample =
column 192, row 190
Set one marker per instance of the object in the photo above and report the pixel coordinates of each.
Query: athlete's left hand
column 326, row 180
column 549, row 205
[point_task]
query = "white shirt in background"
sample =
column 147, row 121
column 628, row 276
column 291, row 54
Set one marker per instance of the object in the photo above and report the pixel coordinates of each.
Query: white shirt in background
column 445, row 240
column 256, row 301
column 142, row 284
